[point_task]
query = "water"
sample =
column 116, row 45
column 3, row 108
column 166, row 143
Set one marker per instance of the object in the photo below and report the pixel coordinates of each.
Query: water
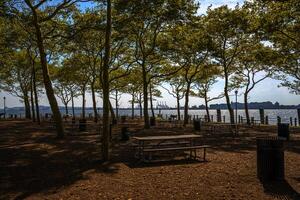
column 285, row 114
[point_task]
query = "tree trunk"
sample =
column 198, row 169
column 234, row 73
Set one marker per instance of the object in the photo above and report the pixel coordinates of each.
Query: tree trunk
column 145, row 96
column 178, row 108
column 27, row 106
column 32, row 98
column 35, row 95
column 186, row 104
column 112, row 113
column 83, row 103
column 66, row 108
column 132, row 106
column 46, row 78
column 140, row 105
column 117, row 106
column 231, row 113
column 72, row 99
column 105, row 78
column 246, row 108
column 94, row 102
column 151, row 101
column 206, row 107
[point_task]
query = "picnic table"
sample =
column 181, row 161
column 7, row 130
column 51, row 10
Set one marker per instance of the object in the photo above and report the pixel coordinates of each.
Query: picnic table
column 223, row 127
column 150, row 144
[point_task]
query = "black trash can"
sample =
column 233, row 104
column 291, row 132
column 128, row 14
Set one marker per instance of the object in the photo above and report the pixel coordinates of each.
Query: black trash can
column 197, row 125
column 283, row 130
column 123, row 119
column 82, row 125
column 270, row 159
column 152, row 121
column 124, row 134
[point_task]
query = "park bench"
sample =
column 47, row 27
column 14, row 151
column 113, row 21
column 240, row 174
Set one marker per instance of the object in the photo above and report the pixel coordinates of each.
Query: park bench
column 149, row 145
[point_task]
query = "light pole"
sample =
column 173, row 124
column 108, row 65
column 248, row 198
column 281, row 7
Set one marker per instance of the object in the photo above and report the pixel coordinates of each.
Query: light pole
column 4, row 98
column 236, row 125
column 236, row 93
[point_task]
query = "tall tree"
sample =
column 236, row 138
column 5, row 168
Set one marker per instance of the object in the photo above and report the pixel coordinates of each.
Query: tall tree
column 146, row 22
column 191, row 50
column 16, row 78
column 177, row 90
column 39, row 14
column 226, row 26
column 256, row 63
column 105, row 84
column 203, row 85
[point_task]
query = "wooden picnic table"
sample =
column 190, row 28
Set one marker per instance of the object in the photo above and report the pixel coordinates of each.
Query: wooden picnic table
column 166, row 137
column 213, row 127
column 149, row 144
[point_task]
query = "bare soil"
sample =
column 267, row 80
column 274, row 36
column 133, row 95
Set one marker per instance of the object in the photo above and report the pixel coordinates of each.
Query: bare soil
column 34, row 165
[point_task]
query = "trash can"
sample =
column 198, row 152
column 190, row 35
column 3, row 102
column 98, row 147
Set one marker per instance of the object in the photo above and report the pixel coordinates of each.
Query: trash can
column 283, row 130
column 123, row 119
column 197, row 125
column 270, row 159
column 152, row 121
column 124, row 134
column 82, row 125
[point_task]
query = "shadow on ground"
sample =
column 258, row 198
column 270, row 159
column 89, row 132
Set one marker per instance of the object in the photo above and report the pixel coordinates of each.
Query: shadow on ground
column 281, row 190
column 33, row 161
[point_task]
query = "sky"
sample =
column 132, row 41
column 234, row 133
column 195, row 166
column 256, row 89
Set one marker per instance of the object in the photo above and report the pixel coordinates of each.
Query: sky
column 267, row 90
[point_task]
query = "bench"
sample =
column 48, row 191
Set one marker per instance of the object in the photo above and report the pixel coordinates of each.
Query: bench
column 150, row 144
column 183, row 148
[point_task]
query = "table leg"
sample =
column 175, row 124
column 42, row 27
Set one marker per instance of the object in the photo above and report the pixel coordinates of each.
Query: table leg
column 140, row 150
column 191, row 151
column 143, row 156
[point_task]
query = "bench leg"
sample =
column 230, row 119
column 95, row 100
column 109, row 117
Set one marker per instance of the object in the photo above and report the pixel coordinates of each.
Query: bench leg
column 150, row 156
column 204, row 154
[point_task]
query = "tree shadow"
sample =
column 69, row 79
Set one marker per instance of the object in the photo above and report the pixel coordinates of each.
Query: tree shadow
column 45, row 164
column 281, row 190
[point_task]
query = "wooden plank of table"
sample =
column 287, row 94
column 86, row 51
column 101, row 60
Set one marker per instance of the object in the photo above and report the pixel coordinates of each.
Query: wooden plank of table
column 166, row 137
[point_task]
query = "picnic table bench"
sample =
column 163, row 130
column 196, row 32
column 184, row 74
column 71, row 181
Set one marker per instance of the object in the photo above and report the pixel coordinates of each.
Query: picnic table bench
column 151, row 144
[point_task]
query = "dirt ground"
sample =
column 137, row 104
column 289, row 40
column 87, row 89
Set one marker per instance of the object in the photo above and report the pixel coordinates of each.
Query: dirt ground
column 34, row 165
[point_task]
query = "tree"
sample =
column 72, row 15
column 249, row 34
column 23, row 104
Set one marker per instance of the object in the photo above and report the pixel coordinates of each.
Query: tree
column 153, row 92
column 105, row 83
column 62, row 91
column 38, row 18
column 176, row 85
column 226, row 27
column 204, row 83
column 134, row 88
column 16, row 78
column 191, row 49
column 280, row 21
column 146, row 22
column 255, row 65
column 88, row 40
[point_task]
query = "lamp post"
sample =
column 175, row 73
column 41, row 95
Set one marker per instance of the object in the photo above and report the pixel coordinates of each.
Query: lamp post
column 236, row 125
column 4, row 98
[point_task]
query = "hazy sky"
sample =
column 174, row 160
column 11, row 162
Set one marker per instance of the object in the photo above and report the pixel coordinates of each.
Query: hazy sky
column 267, row 90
